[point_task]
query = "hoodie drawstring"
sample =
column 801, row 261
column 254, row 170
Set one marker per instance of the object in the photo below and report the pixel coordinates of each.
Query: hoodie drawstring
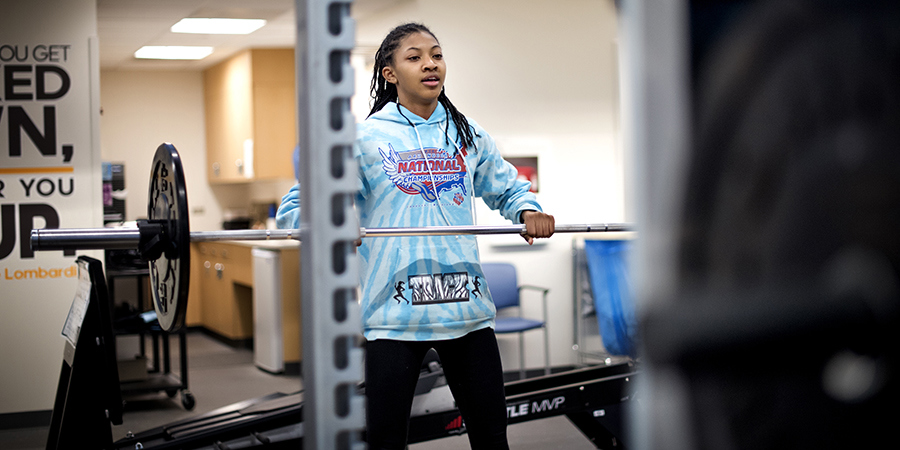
column 431, row 174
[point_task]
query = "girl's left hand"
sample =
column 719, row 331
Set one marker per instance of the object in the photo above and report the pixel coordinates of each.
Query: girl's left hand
column 537, row 225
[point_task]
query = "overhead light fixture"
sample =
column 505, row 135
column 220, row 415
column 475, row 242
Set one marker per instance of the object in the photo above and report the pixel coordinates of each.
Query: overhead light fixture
column 173, row 52
column 217, row 26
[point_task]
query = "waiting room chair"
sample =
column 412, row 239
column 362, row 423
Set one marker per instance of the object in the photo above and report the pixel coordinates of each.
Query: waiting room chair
column 505, row 290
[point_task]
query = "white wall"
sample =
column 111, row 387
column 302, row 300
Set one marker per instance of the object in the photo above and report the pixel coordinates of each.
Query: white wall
column 541, row 77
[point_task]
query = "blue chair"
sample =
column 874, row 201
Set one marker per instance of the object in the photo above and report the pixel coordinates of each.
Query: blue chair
column 504, row 286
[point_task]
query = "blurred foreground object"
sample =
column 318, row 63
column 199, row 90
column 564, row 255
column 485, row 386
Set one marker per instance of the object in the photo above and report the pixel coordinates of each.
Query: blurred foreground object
column 780, row 327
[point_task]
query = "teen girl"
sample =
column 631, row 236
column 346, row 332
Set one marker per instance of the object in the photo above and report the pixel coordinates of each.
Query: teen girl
column 421, row 163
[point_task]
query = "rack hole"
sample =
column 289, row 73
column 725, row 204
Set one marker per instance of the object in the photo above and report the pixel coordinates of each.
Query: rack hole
column 342, row 400
column 345, row 439
column 337, row 59
column 341, row 352
column 336, row 12
column 337, row 209
column 337, row 160
column 340, row 305
column 336, row 113
column 339, row 257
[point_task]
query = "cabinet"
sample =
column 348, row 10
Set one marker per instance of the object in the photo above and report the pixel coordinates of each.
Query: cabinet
column 224, row 275
column 225, row 283
column 251, row 125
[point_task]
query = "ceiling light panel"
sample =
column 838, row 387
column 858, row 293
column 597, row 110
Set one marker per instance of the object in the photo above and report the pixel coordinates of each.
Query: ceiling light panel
column 217, row 26
column 180, row 52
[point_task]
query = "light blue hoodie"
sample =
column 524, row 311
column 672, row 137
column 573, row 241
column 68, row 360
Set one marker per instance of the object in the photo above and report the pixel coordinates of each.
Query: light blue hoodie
column 425, row 287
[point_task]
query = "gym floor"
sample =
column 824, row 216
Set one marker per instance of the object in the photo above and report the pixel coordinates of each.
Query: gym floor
column 219, row 375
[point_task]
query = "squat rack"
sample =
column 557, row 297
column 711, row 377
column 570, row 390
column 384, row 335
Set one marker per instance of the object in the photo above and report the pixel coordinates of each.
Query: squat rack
column 334, row 413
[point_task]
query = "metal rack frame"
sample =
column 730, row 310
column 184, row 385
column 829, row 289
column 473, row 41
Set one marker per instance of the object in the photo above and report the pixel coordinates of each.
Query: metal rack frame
column 333, row 413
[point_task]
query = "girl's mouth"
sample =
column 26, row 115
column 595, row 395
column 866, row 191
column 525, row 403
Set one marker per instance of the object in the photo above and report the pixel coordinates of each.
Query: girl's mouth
column 432, row 81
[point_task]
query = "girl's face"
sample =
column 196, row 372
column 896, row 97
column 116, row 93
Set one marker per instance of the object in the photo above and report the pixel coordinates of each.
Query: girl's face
column 417, row 69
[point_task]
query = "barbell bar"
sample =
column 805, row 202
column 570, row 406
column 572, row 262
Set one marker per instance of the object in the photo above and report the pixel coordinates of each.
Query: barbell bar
column 163, row 240
column 129, row 238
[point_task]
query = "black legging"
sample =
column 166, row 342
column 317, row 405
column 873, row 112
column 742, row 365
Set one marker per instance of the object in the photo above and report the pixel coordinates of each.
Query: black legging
column 472, row 367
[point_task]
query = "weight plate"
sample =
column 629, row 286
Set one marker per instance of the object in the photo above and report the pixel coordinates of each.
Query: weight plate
column 167, row 203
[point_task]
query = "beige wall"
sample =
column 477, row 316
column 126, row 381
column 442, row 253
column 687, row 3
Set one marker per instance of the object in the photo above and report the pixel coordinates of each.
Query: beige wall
column 141, row 110
column 34, row 305
column 144, row 109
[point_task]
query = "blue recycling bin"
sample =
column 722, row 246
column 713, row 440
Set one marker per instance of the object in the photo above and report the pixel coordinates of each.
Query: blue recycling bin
column 613, row 294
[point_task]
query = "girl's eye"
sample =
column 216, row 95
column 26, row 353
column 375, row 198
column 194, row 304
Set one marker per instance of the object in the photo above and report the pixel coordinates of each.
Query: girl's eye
column 413, row 58
column 438, row 56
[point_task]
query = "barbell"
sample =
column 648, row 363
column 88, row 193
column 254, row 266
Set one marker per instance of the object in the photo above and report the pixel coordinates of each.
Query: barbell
column 163, row 239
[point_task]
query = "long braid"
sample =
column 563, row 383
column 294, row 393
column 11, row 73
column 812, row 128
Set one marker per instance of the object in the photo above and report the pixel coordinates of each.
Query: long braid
column 463, row 128
column 383, row 92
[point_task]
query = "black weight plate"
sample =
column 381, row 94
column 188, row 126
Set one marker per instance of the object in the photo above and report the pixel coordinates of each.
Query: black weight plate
column 167, row 202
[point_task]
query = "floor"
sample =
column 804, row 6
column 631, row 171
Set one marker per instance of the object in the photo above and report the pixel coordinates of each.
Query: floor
column 220, row 375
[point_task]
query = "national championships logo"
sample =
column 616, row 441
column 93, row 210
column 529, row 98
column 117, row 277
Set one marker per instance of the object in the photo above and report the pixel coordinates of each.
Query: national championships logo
column 409, row 171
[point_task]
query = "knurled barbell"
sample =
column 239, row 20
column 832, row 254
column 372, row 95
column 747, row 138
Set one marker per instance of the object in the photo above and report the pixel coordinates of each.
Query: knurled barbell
column 163, row 240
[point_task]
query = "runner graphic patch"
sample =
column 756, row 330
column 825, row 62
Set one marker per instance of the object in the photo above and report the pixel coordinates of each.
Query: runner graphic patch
column 409, row 171
column 439, row 288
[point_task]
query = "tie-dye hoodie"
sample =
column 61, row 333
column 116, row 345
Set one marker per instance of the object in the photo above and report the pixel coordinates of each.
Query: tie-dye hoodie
column 412, row 174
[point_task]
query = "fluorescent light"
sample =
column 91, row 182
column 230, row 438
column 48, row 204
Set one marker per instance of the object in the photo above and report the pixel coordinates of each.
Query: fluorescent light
column 217, row 26
column 172, row 52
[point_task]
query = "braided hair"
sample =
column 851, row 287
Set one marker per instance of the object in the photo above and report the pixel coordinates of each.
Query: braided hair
column 383, row 92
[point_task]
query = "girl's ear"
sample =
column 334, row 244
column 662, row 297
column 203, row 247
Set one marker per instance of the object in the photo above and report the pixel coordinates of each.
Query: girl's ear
column 388, row 74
